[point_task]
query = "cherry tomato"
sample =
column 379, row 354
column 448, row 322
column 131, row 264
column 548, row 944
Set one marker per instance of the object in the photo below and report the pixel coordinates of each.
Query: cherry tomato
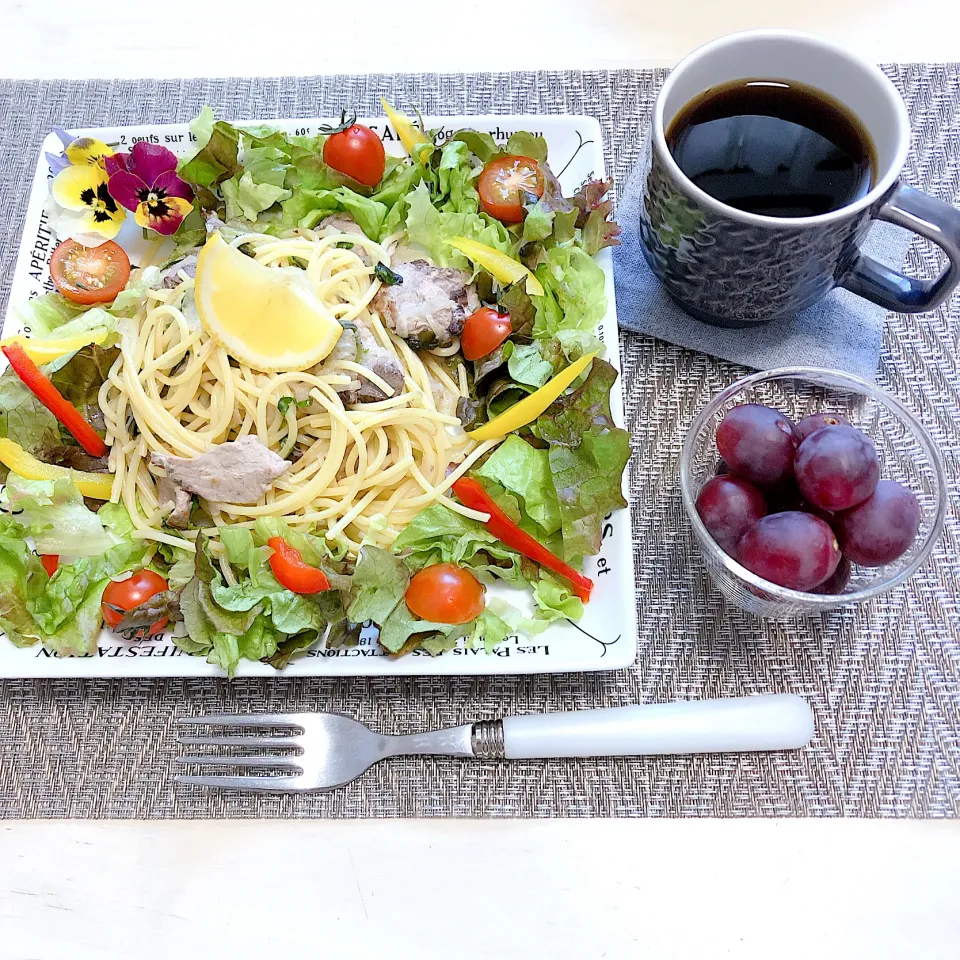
column 484, row 331
column 357, row 152
column 50, row 562
column 89, row 274
column 123, row 595
column 288, row 567
column 504, row 184
column 445, row 593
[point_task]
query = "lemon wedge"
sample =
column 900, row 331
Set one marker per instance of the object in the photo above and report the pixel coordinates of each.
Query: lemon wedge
column 266, row 317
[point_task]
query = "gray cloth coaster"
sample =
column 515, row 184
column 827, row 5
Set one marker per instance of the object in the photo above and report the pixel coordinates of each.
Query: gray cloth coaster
column 843, row 331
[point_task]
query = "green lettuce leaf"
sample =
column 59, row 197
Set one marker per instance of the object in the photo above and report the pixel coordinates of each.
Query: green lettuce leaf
column 555, row 600
column 527, row 145
column 44, row 314
column 216, row 158
column 377, row 586
column 80, row 377
column 21, row 576
column 129, row 298
column 456, row 176
column 306, row 208
column 247, row 198
column 23, row 418
column 61, row 612
column 66, row 590
column 314, row 550
column 525, row 472
column 439, row 535
column 401, row 626
column 546, row 225
column 574, row 292
column 54, row 514
column 245, row 636
column 587, row 455
column 177, row 566
column 433, row 229
column 527, row 364
column 490, row 627
column 481, row 145
column 255, row 617
column 399, row 179
column 201, row 126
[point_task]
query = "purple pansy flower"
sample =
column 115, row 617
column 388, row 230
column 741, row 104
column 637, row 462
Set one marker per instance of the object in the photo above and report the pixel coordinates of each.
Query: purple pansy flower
column 145, row 180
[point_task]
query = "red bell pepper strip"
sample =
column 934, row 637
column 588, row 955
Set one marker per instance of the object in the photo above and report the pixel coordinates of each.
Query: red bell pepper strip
column 50, row 562
column 54, row 401
column 289, row 568
column 473, row 495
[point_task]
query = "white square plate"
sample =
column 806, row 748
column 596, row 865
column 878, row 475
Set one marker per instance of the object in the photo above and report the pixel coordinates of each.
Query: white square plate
column 606, row 637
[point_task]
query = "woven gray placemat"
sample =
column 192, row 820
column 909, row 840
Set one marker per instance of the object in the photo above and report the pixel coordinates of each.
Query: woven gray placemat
column 883, row 679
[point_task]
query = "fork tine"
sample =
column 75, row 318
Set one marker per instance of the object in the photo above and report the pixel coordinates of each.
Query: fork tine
column 246, row 720
column 270, row 784
column 282, row 761
column 239, row 741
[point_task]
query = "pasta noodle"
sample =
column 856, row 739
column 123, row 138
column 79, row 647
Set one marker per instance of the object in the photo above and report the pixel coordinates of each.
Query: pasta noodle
column 360, row 473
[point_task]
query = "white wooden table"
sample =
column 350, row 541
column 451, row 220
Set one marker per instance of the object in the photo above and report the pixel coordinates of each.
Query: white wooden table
column 467, row 889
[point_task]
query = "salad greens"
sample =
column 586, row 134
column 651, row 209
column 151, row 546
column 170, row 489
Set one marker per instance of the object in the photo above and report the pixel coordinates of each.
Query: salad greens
column 556, row 478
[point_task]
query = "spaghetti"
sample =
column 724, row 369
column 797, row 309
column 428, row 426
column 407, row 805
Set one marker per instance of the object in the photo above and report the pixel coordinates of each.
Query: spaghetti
column 359, row 472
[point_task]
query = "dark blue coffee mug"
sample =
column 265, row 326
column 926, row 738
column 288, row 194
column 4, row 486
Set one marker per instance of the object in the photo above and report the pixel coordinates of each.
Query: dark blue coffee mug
column 732, row 268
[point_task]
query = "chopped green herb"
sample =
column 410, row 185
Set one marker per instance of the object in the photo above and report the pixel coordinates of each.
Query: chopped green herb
column 285, row 403
column 386, row 276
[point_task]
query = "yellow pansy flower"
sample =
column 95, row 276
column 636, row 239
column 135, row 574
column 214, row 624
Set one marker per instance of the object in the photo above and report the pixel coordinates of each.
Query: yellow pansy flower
column 88, row 151
column 83, row 189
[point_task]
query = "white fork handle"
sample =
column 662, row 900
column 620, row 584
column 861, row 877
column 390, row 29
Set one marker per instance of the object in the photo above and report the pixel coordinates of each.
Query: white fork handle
column 769, row 722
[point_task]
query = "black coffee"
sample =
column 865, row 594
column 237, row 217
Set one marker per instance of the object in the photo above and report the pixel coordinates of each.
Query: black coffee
column 772, row 147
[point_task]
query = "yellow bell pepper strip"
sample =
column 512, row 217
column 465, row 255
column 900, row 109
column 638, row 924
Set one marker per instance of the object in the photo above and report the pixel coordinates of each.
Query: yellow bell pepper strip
column 48, row 349
column 96, row 485
column 410, row 135
column 530, row 407
column 497, row 264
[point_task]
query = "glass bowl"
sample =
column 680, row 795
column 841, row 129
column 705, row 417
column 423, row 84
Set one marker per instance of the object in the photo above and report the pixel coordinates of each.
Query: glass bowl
column 907, row 455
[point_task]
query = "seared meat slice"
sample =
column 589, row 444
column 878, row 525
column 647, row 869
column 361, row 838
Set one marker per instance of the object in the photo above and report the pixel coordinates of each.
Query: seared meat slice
column 377, row 360
column 177, row 500
column 384, row 364
column 357, row 343
column 429, row 307
column 237, row 472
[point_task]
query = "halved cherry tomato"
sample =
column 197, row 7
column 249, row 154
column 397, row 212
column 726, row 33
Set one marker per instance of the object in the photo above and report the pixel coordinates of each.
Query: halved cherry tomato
column 357, row 152
column 50, row 562
column 504, row 185
column 89, row 274
column 123, row 595
column 483, row 331
column 445, row 593
column 289, row 568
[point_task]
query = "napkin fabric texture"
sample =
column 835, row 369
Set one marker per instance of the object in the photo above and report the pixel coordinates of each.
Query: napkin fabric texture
column 842, row 331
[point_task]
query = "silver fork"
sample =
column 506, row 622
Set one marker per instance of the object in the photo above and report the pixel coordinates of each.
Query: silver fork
column 326, row 750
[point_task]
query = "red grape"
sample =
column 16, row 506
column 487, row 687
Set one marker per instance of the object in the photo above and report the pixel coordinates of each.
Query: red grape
column 837, row 580
column 837, row 467
column 815, row 421
column 881, row 528
column 727, row 506
column 793, row 549
column 758, row 443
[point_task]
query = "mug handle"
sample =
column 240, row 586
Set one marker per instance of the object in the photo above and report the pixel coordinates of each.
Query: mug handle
column 929, row 217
